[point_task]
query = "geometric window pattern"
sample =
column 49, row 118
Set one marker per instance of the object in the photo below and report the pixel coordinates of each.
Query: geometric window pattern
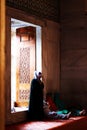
column 23, row 95
column 24, row 65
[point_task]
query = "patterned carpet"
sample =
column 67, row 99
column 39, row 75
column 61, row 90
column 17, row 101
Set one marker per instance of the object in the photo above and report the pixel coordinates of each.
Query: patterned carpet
column 74, row 123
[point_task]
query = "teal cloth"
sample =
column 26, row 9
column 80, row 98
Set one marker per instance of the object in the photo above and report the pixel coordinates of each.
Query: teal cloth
column 62, row 111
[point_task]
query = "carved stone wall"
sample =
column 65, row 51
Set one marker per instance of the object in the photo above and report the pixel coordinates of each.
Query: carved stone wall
column 48, row 9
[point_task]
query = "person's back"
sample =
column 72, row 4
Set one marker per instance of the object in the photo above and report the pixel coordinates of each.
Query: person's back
column 36, row 99
column 46, row 107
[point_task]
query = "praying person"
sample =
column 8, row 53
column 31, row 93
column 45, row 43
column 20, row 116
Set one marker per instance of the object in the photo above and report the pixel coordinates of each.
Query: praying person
column 36, row 97
column 53, row 114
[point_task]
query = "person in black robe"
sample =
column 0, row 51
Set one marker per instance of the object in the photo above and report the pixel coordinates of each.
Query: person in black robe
column 36, row 111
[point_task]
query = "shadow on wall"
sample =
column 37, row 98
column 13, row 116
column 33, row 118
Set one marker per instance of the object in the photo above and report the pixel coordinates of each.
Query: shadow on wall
column 74, row 93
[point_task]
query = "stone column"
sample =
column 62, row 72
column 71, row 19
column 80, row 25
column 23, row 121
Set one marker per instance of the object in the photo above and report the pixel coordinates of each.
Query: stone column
column 2, row 64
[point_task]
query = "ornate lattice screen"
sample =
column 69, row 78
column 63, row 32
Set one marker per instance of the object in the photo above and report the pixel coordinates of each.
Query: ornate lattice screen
column 24, row 65
column 23, row 95
column 23, row 76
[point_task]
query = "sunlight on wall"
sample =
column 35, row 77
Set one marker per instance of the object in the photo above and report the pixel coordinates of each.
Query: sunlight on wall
column 14, row 48
column 38, row 49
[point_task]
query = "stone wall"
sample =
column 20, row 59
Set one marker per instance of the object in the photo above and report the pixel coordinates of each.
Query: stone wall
column 74, row 53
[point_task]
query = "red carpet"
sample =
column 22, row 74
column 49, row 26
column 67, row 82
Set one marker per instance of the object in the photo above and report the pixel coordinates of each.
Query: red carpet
column 74, row 123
